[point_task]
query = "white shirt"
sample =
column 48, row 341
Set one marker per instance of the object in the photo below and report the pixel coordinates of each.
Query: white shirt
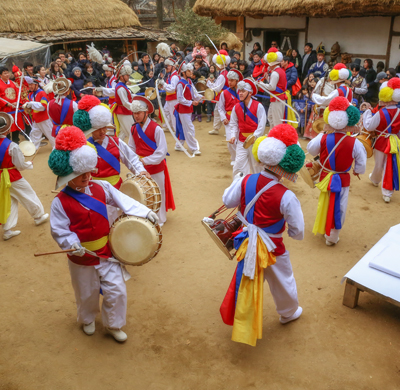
column 359, row 153
column 170, row 88
column 325, row 100
column 162, row 148
column 221, row 105
column 181, row 99
column 131, row 158
column 290, row 206
column 123, row 95
column 110, row 92
column 218, row 84
column 60, row 223
column 262, row 120
column 17, row 158
column 372, row 121
column 273, row 81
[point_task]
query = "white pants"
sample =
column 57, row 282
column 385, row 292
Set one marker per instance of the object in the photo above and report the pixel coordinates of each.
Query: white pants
column 282, row 285
column 217, row 119
column 275, row 113
column 189, row 132
column 22, row 192
column 87, row 281
column 169, row 109
column 231, row 147
column 40, row 129
column 344, row 198
column 379, row 171
column 159, row 178
column 244, row 161
column 125, row 125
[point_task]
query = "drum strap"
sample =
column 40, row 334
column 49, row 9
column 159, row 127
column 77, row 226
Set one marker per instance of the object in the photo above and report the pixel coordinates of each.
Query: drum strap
column 383, row 133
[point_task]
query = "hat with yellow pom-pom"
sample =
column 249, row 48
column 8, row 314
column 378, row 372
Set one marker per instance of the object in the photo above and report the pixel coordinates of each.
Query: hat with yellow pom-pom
column 389, row 92
column 279, row 152
column 339, row 73
column 92, row 115
column 221, row 60
column 71, row 156
column 273, row 56
column 341, row 115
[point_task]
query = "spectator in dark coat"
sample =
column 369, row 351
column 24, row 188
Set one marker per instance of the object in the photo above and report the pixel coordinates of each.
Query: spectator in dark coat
column 82, row 61
column 256, row 48
column 297, row 61
column 92, row 75
column 370, row 77
column 243, row 67
column 145, row 66
column 78, row 81
column 309, row 58
column 291, row 72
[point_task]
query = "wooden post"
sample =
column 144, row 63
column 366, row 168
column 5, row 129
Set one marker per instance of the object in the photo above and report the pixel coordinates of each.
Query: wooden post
column 351, row 294
column 306, row 34
column 389, row 45
column 160, row 14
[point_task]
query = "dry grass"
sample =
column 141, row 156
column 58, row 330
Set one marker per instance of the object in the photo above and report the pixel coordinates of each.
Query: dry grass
column 64, row 15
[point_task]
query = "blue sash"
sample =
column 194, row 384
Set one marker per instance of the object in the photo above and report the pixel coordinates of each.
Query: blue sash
column 179, row 128
column 145, row 138
column 3, row 149
column 64, row 112
column 344, row 90
column 87, row 201
column 108, row 157
column 233, row 93
column 388, row 119
column 186, row 83
column 246, row 111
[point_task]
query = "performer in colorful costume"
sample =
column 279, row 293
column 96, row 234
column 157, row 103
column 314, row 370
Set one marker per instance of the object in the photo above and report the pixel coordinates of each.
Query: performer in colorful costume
column 169, row 85
column 227, row 100
column 111, row 82
column 61, row 109
column 79, row 221
column 41, row 124
column 221, row 60
column 266, row 207
column 187, row 98
column 14, row 188
column 148, row 140
column 337, row 152
column 247, row 118
column 123, row 98
column 386, row 122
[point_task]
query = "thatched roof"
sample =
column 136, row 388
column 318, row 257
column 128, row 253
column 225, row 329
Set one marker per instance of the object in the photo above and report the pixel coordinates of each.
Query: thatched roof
column 311, row 8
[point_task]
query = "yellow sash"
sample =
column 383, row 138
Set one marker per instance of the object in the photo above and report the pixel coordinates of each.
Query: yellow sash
column 96, row 244
column 229, row 112
column 5, row 197
column 323, row 205
column 290, row 114
column 247, row 326
column 113, row 180
column 115, row 118
column 170, row 93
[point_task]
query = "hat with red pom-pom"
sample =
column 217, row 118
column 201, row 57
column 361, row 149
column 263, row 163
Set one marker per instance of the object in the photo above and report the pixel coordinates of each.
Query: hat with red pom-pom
column 92, row 115
column 273, row 56
column 339, row 73
column 72, row 156
column 341, row 115
column 390, row 91
column 280, row 152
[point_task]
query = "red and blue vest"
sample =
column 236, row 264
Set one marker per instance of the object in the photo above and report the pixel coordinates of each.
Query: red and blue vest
column 61, row 115
column 247, row 124
column 231, row 99
column 41, row 97
column 346, row 92
column 386, row 117
column 110, row 82
column 121, row 109
column 6, row 160
column 281, row 87
column 187, row 94
column 171, row 95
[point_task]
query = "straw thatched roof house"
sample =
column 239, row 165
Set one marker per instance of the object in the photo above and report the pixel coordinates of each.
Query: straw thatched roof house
column 70, row 23
column 365, row 29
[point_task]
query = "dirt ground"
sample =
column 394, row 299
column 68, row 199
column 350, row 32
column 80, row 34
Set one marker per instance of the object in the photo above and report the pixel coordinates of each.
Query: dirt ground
column 177, row 339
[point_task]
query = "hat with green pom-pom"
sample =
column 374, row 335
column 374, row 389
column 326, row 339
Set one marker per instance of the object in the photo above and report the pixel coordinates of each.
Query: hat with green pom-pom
column 72, row 156
column 341, row 115
column 279, row 151
column 92, row 115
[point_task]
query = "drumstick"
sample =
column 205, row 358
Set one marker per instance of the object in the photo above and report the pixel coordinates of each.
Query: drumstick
column 54, row 253
column 55, row 192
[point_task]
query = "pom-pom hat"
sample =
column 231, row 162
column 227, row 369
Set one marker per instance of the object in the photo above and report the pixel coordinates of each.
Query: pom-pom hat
column 109, row 68
column 71, row 156
column 184, row 67
column 234, row 74
column 92, row 115
column 248, row 85
column 141, row 103
column 339, row 73
column 273, row 56
column 221, row 60
column 390, row 91
column 124, row 69
column 341, row 115
column 280, row 152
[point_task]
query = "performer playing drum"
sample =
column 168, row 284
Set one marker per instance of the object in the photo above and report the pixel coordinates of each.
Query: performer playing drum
column 266, row 207
column 79, row 221
column 147, row 139
column 14, row 188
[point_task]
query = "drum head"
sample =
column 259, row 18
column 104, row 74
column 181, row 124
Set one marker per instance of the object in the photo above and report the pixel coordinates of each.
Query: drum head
column 367, row 146
column 305, row 174
column 201, row 86
column 209, row 94
column 134, row 240
column 318, row 125
column 28, row 149
column 134, row 190
column 155, row 200
column 249, row 141
column 216, row 239
column 150, row 93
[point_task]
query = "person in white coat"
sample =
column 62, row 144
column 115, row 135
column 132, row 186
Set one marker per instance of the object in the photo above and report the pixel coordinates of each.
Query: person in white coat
column 14, row 188
column 79, row 221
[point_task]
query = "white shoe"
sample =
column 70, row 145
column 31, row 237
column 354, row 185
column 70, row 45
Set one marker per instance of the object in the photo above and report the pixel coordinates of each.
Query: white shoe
column 216, row 132
column 386, row 198
column 330, row 243
column 373, row 183
column 197, row 153
column 89, row 328
column 42, row 219
column 10, row 234
column 118, row 334
column 295, row 316
column 178, row 149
